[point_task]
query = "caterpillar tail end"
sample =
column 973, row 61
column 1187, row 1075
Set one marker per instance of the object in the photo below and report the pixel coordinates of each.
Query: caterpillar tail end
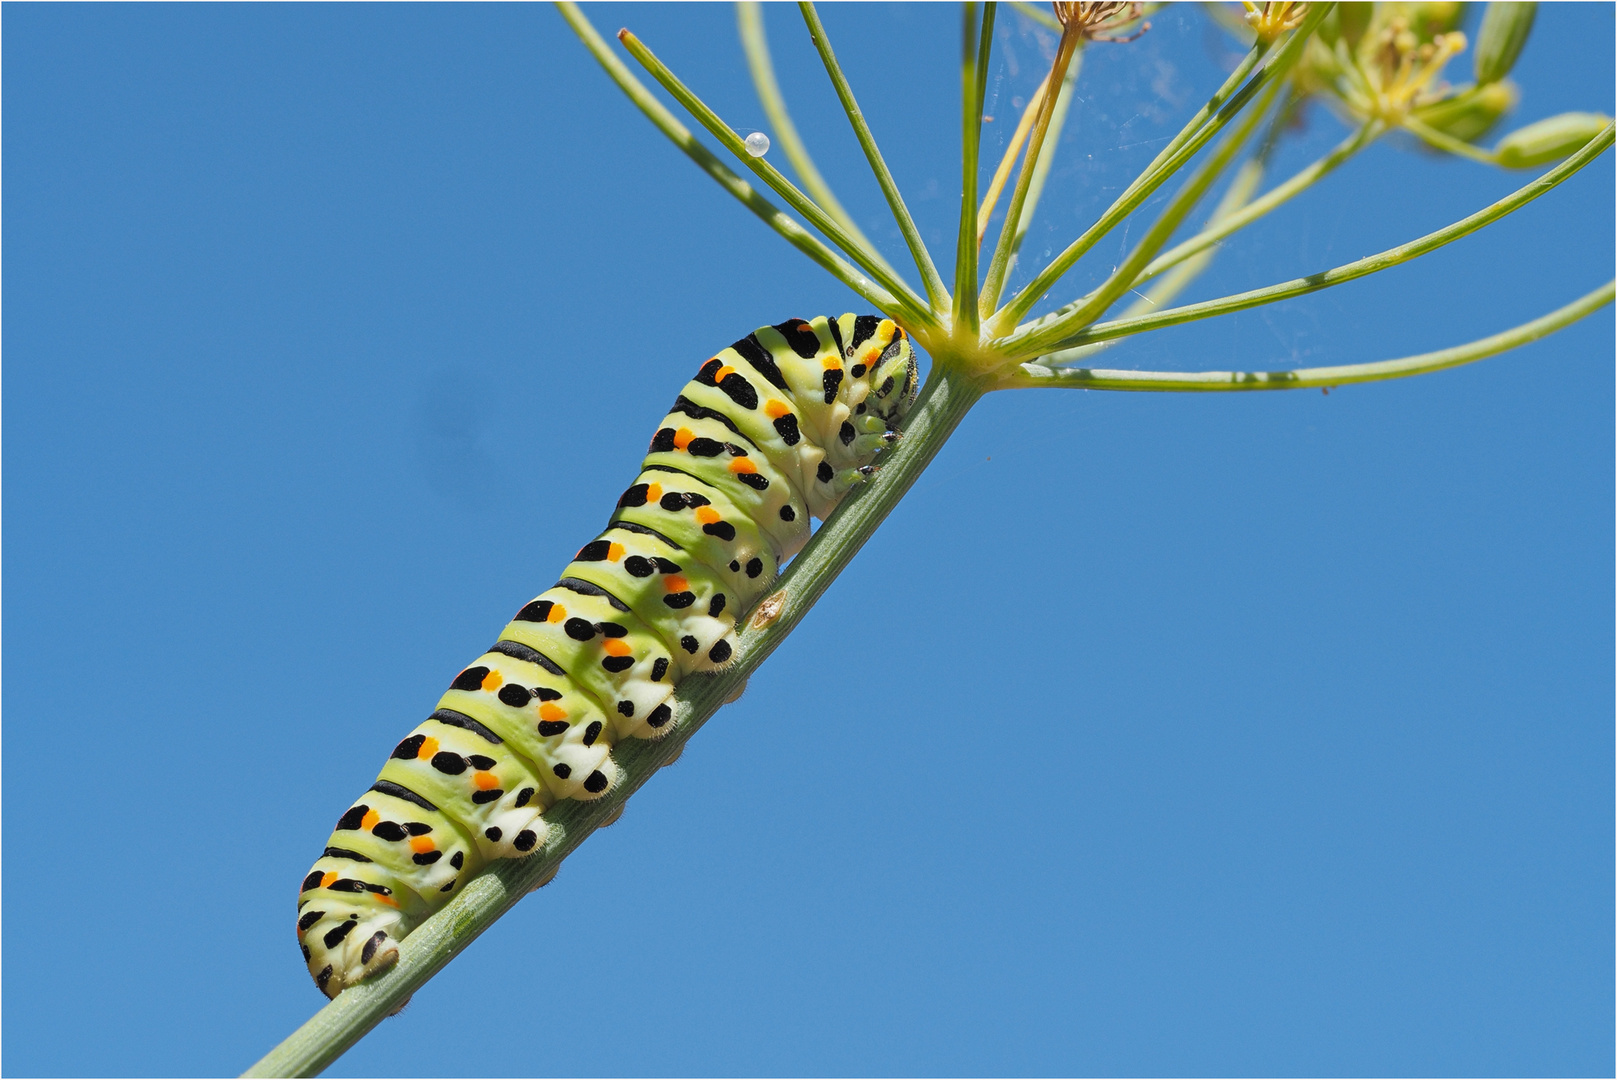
column 342, row 952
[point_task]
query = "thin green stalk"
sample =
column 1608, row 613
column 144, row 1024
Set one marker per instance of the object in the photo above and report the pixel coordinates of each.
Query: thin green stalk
column 1178, row 208
column 1037, row 375
column 1033, row 341
column 973, row 86
column 1179, row 277
column 750, row 26
column 919, row 315
column 1038, row 15
column 1047, row 155
column 1136, row 193
column 936, row 292
column 943, row 403
column 1447, row 143
column 681, row 137
column 999, row 265
column 1274, row 69
column 1271, row 199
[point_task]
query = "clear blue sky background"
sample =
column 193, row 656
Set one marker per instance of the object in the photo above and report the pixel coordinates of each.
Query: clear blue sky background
column 1152, row 734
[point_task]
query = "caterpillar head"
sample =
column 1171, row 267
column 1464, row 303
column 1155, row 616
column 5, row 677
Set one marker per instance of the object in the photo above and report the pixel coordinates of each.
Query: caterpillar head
column 893, row 375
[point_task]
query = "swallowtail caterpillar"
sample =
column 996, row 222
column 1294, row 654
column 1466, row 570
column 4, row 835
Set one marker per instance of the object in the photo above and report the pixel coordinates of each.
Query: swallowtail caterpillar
column 773, row 430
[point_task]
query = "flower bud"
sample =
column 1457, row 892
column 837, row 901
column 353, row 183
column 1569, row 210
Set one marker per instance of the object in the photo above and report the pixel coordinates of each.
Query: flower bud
column 1504, row 31
column 1469, row 114
column 1549, row 140
column 1352, row 20
column 1430, row 20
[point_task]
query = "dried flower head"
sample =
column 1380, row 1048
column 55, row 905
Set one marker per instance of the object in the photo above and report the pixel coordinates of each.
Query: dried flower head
column 1099, row 22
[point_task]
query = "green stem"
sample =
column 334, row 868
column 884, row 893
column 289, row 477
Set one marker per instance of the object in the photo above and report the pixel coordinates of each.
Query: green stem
column 1036, row 375
column 1177, row 279
column 1178, row 208
column 999, row 265
column 750, row 26
column 936, row 291
column 919, row 314
column 1447, row 143
column 1038, row 15
column 1137, row 192
column 1218, row 230
column 1033, row 341
column 1073, row 316
column 749, row 197
column 973, row 86
column 942, row 404
column 1047, row 155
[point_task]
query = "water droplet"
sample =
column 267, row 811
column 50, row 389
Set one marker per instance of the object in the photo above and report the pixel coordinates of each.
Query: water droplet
column 757, row 144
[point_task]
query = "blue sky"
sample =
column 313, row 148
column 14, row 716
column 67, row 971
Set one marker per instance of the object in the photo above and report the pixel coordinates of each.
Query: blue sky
column 1150, row 735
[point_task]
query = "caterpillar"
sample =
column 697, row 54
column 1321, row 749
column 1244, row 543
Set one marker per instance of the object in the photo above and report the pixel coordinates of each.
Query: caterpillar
column 772, row 431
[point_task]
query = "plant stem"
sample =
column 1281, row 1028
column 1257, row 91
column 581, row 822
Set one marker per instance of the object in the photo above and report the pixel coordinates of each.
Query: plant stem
column 999, row 265
column 681, row 137
column 1447, row 143
column 1035, row 375
column 1038, row 15
column 1034, row 340
column 750, row 26
column 1041, row 168
column 1271, row 199
column 1137, row 192
column 1183, row 202
column 973, row 85
column 919, row 314
column 1179, row 277
column 937, row 293
column 1075, row 315
column 942, row 404
column 1008, row 160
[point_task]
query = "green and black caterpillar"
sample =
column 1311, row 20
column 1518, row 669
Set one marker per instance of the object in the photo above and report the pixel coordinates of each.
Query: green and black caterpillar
column 772, row 431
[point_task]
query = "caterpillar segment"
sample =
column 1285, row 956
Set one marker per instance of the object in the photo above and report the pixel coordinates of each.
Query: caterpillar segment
column 702, row 521
column 771, row 432
column 543, row 716
column 684, row 602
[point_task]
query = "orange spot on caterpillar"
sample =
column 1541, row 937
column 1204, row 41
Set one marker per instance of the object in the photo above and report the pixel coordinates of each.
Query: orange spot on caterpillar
column 551, row 711
column 653, row 492
column 330, row 876
column 707, row 515
column 429, row 747
column 676, row 583
column 485, row 780
column 493, row 681
column 368, row 822
column 723, row 373
column 832, row 363
column 557, row 613
column 421, row 844
column 775, row 409
column 616, row 647
column 614, row 552
column 388, row 900
column 683, row 437
column 742, row 466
